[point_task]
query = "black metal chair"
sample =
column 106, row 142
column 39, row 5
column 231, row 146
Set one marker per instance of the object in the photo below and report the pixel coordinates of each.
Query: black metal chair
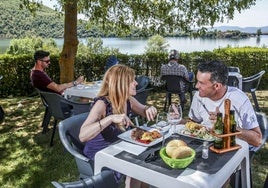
column 173, row 86
column 60, row 108
column 250, row 84
column 69, row 135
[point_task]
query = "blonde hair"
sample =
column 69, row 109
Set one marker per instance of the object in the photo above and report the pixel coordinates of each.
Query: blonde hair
column 115, row 86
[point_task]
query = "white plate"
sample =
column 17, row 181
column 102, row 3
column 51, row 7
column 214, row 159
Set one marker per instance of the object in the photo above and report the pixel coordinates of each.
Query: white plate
column 181, row 131
column 127, row 137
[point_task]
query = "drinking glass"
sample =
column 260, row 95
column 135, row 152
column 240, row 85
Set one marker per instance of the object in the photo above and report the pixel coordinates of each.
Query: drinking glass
column 161, row 123
column 174, row 117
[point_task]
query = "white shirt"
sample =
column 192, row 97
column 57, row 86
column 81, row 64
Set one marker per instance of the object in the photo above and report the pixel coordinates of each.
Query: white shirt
column 244, row 113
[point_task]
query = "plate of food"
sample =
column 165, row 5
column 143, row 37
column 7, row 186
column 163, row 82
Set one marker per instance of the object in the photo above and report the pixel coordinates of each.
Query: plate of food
column 195, row 130
column 142, row 137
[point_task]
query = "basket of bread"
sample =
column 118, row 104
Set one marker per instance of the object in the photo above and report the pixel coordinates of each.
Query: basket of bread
column 177, row 154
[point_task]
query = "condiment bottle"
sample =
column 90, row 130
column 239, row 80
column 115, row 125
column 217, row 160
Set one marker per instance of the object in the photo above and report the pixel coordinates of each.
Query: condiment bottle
column 205, row 150
column 218, row 129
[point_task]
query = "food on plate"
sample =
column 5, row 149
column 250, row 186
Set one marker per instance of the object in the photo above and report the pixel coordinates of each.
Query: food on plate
column 145, row 136
column 190, row 125
column 178, row 149
column 197, row 130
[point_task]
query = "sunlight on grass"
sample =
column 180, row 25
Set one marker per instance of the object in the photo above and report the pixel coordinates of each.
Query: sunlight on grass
column 27, row 160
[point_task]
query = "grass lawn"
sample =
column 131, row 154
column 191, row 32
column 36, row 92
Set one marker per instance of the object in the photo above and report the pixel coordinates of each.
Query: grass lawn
column 27, row 160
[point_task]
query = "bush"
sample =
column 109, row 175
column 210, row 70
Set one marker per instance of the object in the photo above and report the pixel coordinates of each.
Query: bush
column 16, row 68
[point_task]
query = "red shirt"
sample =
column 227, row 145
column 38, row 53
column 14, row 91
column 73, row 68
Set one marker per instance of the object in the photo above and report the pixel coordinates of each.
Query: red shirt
column 41, row 80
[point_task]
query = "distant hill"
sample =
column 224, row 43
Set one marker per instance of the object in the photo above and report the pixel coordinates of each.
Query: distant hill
column 47, row 23
column 242, row 29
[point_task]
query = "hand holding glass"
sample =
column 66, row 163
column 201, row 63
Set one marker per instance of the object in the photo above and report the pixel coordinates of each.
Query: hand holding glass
column 174, row 116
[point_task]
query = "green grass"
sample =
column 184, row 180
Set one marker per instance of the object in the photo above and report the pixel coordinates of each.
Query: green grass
column 27, row 160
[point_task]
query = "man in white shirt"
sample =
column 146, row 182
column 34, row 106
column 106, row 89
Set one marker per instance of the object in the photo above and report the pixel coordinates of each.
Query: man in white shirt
column 209, row 99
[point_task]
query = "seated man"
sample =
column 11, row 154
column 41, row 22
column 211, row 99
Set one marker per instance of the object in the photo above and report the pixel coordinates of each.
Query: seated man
column 42, row 81
column 209, row 99
column 174, row 68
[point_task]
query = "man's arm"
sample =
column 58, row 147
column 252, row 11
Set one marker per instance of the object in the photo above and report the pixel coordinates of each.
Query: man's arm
column 59, row 87
column 252, row 136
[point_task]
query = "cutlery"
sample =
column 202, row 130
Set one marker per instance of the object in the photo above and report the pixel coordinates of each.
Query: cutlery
column 152, row 156
column 137, row 127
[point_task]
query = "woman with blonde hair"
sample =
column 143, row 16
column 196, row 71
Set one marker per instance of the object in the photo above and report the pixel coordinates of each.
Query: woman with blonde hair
column 110, row 111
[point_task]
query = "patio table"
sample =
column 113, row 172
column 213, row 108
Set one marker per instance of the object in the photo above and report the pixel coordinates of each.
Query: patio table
column 83, row 90
column 211, row 172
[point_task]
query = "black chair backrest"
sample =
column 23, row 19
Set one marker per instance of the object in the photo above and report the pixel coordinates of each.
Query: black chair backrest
column 143, row 82
column 56, row 105
column 173, row 83
column 142, row 95
column 233, row 69
column 233, row 81
column 62, row 108
column 251, row 83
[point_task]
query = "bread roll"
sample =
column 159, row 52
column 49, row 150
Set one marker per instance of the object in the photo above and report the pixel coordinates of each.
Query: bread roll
column 172, row 145
column 181, row 152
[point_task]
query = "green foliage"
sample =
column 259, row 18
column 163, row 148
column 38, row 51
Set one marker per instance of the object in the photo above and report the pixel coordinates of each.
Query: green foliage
column 156, row 44
column 15, row 68
column 30, row 45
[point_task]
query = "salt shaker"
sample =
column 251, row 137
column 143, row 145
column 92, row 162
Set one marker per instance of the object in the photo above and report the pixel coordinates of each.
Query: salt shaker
column 205, row 150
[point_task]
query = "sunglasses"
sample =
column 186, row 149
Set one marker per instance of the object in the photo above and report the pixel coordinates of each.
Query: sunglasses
column 47, row 61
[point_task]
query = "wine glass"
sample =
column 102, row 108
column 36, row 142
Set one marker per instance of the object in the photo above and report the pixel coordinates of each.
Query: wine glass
column 174, row 117
column 161, row 123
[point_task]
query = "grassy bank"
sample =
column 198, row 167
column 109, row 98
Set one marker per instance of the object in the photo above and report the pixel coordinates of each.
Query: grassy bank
column 26, row 160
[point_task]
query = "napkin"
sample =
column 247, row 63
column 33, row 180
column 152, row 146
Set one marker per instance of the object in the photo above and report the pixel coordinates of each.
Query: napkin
column 130, row 148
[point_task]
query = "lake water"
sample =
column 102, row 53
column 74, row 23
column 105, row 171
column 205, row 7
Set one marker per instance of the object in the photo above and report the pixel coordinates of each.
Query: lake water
column 182, row 44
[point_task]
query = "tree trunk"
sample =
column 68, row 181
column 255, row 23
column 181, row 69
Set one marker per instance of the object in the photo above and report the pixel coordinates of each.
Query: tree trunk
column 70, row 45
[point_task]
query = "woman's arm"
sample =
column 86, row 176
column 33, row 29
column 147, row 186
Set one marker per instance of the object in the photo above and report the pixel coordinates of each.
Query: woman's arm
column 95, row 122
column 145, row 111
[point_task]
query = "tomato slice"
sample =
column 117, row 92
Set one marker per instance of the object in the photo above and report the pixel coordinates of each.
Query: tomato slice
column 144, row 141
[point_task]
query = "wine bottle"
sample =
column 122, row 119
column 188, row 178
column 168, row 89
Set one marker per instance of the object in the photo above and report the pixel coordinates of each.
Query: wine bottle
column 232, row 127
column 218, row 129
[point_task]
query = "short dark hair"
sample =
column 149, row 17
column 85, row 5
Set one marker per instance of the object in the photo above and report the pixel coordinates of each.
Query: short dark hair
column 40, row 54
column 174, row 54
column 218, row 70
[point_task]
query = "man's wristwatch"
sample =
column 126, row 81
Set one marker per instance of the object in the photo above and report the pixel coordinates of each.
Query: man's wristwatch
column 75, row 83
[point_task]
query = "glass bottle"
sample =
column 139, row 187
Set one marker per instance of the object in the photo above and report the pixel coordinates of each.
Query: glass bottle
column 205, row 150
column 232, row 127
column 218, row 129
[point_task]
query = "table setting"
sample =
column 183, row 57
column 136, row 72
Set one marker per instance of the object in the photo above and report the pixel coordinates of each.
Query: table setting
column 154, row 157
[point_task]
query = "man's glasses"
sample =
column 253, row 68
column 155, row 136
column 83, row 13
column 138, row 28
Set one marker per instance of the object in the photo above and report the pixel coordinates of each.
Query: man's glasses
column 46, row 61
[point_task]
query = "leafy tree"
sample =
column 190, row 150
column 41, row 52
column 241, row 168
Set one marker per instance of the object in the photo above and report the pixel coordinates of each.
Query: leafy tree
column 154, row 15
column 156, row 44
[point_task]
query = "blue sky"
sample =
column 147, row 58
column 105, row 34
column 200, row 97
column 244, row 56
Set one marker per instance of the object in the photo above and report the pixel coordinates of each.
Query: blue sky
column 256, row 16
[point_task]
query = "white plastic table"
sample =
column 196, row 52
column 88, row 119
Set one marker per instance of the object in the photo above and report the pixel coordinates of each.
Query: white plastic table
column 87, row 91
column 189, row 178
